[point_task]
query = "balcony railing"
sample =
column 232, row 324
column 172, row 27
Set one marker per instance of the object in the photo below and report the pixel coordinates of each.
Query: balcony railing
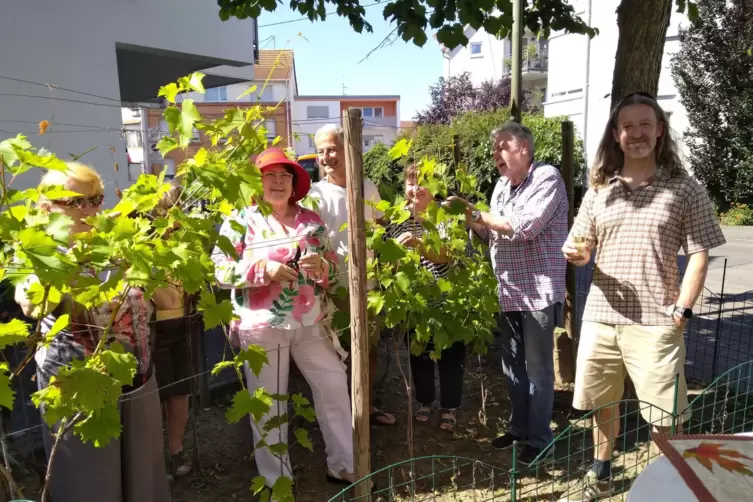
column 384, row 121
column 538, row 63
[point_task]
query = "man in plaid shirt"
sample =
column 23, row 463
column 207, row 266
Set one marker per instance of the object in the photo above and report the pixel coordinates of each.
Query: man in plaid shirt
column 641, row 208
column 526, row 227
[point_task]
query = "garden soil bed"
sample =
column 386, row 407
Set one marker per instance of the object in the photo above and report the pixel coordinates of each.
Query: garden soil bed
column 227, row 466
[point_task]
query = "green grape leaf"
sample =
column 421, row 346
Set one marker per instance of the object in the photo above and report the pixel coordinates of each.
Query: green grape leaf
column 61, row 323
column 222, row 365
column 169, row 92
column 119, row 363
column 403, row 281
column 50, row 401
column 188, row 116
column 59, row 227
column 87, row 388
column 278, row 448
column 276, row 422
column 390, row 251
column 166, row 144
column 227, row 247
column 400, row 149
column 282, row 491
column 13, row 332
column 244, row 404
column 6, row 392
column 214, row 313
column 375, row 301
column 302, row 436
column 255, row 356
column 100, row 427
column 258, row 484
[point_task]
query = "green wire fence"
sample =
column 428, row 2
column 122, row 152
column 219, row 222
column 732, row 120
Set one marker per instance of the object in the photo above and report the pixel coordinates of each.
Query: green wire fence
column 724, row 407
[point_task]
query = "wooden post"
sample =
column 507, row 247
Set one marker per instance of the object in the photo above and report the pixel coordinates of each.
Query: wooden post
column 353, row 126
column 564, row 343
column 516, row 75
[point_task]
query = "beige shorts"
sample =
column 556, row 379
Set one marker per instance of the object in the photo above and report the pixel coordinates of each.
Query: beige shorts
column 342, row 303
column 651, row 355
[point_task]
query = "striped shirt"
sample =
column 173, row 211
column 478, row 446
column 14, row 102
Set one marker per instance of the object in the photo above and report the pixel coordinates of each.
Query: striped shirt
column 412, row 225
column 529, row 265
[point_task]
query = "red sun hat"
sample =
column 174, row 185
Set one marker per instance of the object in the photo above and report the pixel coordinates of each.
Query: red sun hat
column 276, row 157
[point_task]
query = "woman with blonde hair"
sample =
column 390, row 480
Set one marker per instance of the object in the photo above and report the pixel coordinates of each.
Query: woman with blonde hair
column 130, row 468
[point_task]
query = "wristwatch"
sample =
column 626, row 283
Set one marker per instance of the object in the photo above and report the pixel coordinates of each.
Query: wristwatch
column 685, row 313
column 475, row 216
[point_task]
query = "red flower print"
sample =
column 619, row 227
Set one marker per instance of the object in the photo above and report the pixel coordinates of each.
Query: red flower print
column 304, row 302
column 262, row 298
column 281, row 254
column 307, row 217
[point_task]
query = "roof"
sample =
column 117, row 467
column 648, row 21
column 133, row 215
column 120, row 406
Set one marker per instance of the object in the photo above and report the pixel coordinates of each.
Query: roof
column 275, row 64
column 407, row 124
column 349, row 97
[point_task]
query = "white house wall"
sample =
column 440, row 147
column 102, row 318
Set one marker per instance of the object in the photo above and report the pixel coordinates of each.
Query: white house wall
column 567, row 63
column 304, row 128
column 71, row 44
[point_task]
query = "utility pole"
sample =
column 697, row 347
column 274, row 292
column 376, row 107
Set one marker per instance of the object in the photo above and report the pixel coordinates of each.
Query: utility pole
column 516, row 90
column 353, row 129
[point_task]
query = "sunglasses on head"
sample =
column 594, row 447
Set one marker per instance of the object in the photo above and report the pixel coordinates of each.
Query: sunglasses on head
column 633, row 94
column 80, row 202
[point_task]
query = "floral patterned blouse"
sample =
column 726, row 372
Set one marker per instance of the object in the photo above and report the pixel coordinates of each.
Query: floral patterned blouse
column 266, row 304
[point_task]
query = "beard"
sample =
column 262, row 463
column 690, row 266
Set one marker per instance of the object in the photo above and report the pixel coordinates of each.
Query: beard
column 638, row 150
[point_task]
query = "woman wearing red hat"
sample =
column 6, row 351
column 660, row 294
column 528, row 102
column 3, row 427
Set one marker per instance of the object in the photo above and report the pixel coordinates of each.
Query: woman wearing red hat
column 284, row 266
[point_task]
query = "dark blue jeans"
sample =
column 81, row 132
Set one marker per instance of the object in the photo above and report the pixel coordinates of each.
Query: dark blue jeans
column 528, row 365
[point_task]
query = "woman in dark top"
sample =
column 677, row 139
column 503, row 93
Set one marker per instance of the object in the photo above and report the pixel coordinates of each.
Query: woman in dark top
column 452, row 361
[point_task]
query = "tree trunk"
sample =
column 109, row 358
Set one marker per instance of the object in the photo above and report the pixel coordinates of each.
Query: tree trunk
column 642, row 26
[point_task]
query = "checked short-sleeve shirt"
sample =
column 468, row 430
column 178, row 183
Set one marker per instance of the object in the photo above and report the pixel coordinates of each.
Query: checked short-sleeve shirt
column 529, row 264
column 637, row 235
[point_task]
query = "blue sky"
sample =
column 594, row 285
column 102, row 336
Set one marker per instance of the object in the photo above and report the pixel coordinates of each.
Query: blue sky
column 327, row 54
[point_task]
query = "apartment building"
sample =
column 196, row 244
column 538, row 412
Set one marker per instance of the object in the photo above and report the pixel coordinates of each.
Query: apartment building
column 581, row 70
column 381, row 118
column 276, row 85
column 77, row 63
column 487, row 57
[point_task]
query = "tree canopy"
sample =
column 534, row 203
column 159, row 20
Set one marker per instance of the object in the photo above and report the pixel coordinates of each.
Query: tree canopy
column 713, row 71
column 453, row 96
column 415, row 18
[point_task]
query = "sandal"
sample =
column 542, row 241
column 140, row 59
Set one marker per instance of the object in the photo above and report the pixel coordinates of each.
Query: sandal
column 447, row 420
column 375, row 416
column 423, row 414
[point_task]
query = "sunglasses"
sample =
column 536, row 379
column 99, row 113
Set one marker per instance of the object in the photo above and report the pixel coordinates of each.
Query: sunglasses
column 632, row 94
column 80, row 202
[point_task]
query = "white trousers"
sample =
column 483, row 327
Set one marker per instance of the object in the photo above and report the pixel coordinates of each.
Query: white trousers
column 316, row 357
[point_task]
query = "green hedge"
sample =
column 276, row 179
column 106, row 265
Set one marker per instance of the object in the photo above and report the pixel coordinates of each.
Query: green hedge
column 472, row 128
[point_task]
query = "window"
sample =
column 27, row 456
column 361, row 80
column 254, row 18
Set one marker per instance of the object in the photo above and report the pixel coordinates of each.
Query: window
column 271, row 127
column 267, row 95
column 370, row 111
column 312, row 144
column 369, row 141
column 216, row 95
column 476, row 49
column 317, row 112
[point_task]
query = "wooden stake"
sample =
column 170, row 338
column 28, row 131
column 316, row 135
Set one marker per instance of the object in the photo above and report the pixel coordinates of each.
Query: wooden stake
column 353, row 126
column 565, row 345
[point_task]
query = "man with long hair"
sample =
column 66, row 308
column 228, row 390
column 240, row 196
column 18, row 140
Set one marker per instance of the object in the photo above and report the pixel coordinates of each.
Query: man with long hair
column 640, row 209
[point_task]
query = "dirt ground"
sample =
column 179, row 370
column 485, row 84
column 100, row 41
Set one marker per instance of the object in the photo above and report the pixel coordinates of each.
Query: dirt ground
column 479, row 472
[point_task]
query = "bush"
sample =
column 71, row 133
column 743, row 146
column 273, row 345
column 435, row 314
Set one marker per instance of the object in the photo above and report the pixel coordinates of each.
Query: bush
column 473, row 128
column 739, row 215
column 385, row 172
